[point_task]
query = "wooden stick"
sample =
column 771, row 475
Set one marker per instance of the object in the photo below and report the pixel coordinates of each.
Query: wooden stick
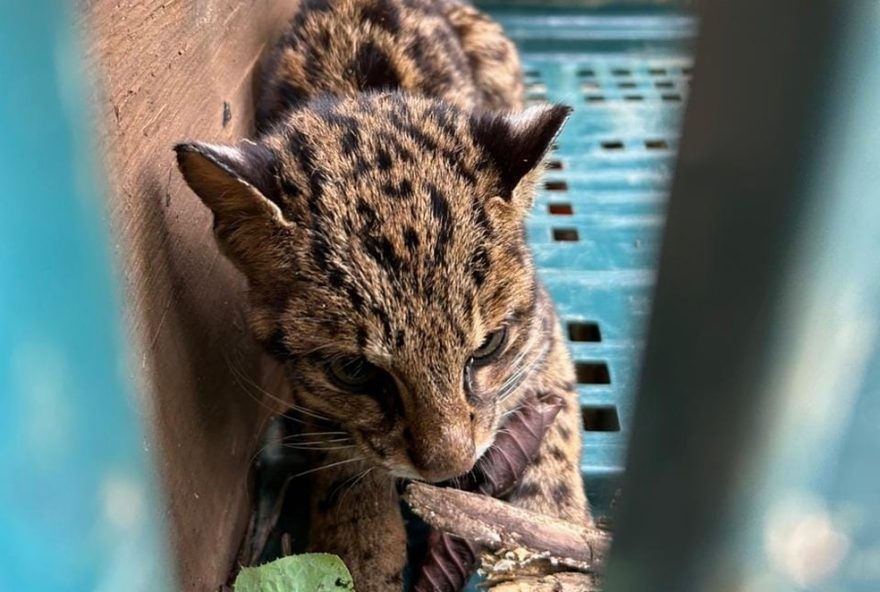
column 500, row 526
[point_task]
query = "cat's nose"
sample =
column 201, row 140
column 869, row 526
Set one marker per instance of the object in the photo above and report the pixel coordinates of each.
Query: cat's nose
column 441, row 453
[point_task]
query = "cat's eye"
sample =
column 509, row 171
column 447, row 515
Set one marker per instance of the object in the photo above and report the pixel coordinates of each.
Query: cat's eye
column 491, row 347
column 351, row 373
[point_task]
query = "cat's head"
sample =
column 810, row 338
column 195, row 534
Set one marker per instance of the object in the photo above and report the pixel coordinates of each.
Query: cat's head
column 383, row 242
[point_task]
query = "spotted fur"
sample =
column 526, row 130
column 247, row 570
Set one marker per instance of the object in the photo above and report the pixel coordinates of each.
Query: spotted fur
column 379, row 216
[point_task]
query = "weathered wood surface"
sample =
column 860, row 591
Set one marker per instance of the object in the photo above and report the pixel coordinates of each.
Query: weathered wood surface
column 163, row 73
column 525, row 550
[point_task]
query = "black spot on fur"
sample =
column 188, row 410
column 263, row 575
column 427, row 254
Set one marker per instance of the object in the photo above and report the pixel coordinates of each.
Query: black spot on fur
column 361, row 166
column 469, row 305
column 289, row 188
column 291, row 95
column 305, row 156
column 337, row 278
column 421, row 138
column 564, row 433
column 455, row 162
column 393, row 143
column 373, row 69
column 481, row 217
column 480, row 265
column 351, row 139
column 561, row 494
column 557, row 453
column 361, row 337
column 452, row 51
column 357, row 301
column 384, row 319
column 401, row 190
column 440, row 211
column 350, row 142
column 400, row 339
column 366, row 212
column 416, row 52
column 516, row 148
column 411, row 238
column 498, row 53
column 441, row 116
column 383, row 159
column 383, row 14
column 382, row 251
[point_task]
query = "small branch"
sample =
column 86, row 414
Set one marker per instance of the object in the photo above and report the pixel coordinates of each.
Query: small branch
column 500, row 526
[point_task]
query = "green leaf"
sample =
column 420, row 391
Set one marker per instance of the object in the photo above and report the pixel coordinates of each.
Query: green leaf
column 311, row 572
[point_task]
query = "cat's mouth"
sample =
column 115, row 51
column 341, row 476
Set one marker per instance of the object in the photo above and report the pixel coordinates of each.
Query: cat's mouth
column 396, row 460
column 405, row 470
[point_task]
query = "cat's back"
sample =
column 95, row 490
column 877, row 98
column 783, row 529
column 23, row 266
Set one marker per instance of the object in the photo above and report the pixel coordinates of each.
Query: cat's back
column 440, row 48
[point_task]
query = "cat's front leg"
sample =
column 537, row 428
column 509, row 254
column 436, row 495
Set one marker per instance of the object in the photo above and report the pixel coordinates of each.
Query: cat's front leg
column 355, row 514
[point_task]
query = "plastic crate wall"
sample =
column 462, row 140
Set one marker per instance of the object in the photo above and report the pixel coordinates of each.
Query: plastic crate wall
column 597, row 222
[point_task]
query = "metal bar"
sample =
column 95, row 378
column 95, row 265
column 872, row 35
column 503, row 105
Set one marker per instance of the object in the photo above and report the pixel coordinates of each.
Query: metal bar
column 78, row 507
column 764, row 336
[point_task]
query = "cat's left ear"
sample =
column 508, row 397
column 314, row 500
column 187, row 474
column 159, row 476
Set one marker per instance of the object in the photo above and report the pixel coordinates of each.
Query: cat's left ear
column 517, row 142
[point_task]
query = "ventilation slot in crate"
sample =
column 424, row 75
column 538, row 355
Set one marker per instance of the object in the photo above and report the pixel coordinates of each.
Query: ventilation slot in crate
column 656, row 145
column 556, row 186
column 612, row 145
column 600, row 418
column 582, row 331
column 565, row 235
column 560, row 209
column 592, row 373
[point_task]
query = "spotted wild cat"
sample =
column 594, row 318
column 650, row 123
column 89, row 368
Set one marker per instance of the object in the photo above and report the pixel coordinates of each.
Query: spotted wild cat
column 378, row 217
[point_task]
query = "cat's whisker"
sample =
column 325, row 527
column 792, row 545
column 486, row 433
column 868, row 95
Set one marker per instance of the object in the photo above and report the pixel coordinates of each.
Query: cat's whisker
column 289, row 405
column 294, row 439
column 341, row 485
column 516, row 363
column 307, row 412
column 239, row 376
column 329, row 466
column 318, row 448
column 310, row 434
column 515, row 381
column 357, row 480
column 318, row 442
column 249, row 385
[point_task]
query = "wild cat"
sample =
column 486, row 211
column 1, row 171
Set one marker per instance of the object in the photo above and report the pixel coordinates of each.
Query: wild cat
column 378, row 217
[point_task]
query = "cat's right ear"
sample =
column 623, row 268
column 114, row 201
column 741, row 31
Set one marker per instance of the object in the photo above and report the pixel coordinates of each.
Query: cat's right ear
column 239, row 185
column 232, row 180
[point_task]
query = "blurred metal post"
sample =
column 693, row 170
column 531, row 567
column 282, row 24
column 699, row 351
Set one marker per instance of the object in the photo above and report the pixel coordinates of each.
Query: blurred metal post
column 78, row 507
column 754, row 460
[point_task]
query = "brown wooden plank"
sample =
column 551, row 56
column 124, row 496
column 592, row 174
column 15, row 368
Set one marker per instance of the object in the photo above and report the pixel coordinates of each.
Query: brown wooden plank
column 164, row 70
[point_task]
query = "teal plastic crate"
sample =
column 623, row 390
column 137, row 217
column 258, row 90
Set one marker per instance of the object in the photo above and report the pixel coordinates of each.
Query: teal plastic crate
column 597, row 221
